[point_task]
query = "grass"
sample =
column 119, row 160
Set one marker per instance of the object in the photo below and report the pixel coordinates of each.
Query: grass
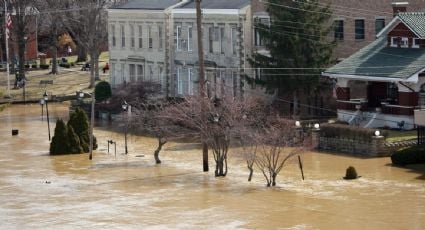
column 396, row 135
column 104, row 57
column 3, row 106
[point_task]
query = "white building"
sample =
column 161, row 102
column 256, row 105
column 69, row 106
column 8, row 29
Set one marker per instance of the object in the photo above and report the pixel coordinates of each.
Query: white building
column 157, row 41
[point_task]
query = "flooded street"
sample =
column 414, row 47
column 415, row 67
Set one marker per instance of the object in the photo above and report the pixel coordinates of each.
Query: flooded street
column 38, row 191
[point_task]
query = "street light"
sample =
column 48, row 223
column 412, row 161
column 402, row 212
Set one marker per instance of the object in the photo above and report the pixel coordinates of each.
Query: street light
column 81, row 94
column 125, row 107
column 42, row 102
column 46, row 99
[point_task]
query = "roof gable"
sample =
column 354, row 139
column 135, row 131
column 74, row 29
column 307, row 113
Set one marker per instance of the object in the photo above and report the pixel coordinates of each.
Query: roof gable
column 415, row 21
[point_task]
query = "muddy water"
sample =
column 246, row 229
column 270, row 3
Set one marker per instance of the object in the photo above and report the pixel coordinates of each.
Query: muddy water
column 131, row 192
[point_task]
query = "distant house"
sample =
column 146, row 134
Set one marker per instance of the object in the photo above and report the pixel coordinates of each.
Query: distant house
column 382, row 84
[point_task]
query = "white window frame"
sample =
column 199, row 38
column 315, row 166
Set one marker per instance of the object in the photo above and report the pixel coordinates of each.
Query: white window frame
column 178, row 38
column 160, row 35
column 394, row 42
column 114, row 39
column 404, row 42
column 150, row 39
column 415, row 42
column 222, row 40
column 189, row 38
column 140, row 74
column 140, row 27
column 122, row 30
column 179, row 82
column 234, row 39
column 132, row 39
column 123, row 79
column 150, row 72
column 190, row 81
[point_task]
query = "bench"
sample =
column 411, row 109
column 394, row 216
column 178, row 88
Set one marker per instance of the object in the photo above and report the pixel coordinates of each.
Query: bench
column 46, row 82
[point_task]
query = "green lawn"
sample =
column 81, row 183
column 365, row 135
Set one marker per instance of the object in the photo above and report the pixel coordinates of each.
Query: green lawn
column 395, row 135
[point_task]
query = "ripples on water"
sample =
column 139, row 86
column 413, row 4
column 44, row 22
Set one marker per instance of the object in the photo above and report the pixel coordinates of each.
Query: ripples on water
column 129, row 192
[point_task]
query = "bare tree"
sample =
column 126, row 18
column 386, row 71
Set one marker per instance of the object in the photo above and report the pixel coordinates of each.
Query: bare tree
column 88, row 26
column 24, row 11
column 51, row 26
column 276, row 145
column 223, row 117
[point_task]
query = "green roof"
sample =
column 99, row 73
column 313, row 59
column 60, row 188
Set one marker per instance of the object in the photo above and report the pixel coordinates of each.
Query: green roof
column 414, row 20
column 378, row 60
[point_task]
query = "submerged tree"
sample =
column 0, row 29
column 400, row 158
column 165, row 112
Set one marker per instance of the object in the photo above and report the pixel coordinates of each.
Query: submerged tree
column 60, row 143
column 224, row 117
column 80, row 123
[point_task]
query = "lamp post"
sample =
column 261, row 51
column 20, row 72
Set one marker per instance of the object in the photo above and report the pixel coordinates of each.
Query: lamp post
column 125, row 107
column 42, row 102
column 81, row 95
column 46, row 99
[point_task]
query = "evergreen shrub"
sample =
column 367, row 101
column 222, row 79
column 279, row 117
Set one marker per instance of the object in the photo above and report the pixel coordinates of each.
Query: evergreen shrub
column 409, row 155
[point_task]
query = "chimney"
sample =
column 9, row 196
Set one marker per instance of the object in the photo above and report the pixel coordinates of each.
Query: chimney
column 399, row 7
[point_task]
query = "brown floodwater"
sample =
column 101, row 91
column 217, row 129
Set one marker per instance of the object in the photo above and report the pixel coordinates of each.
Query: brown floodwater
column 38, row 191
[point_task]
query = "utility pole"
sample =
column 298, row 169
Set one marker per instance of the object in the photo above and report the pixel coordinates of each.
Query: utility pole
column 201, row 80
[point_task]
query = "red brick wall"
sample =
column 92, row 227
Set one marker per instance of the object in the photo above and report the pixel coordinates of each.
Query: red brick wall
column 408, row 98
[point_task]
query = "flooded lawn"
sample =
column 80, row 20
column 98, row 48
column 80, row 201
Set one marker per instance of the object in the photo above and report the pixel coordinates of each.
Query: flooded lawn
column 131, row 192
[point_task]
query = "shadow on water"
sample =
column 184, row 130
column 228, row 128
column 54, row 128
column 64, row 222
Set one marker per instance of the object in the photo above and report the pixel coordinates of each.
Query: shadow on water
column 414, row 168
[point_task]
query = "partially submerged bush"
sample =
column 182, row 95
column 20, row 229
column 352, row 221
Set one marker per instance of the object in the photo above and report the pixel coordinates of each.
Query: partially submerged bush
column 351, row 173
column 410, row 155
column 44, row 66
column 348, row 132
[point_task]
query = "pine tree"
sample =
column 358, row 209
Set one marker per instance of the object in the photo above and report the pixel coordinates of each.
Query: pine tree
column 60, row 144
column 73, row 141
column 298, row 41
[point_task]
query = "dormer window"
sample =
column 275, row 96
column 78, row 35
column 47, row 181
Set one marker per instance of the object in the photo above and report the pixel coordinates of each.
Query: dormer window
column 416, row 42
column 394, row 42
column 404, row 42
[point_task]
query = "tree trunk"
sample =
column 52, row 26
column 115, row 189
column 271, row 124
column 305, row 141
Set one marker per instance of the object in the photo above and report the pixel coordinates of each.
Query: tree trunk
column 251, row 172
column 82, row 54
column 273, row 179
column 92, row 76
column 54, row 60
column 21, row 54
column 158, row 149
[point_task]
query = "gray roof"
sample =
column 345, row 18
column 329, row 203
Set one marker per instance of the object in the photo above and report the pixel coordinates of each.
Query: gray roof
column 378, row 60
column 218, row 4
column 414, row 20
column 148, row 4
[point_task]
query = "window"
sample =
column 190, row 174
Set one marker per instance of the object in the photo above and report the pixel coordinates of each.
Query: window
column 160, row 37
column 114, row 39
column 113, row 74
column 339, row 30
column 222, row 40
column 140, row 37
column 178, row 38
column 179, row 81
column 211, row 39
column 150, row 37
column 259, row 26
column 234, row 40
column 123, row 80
column 190, row 81
column 189, row 38
column 404, row 42
column 161, row 76
column 132, row 39
column 394, row 41
column 140, row 73
column 132, row 72
column 359, row 29
column 416, row 43
column 379, row 25
column 122, row 27
column 150, row 68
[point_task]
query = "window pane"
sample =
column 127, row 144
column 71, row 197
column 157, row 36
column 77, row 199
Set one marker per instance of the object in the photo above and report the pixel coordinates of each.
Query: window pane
column 379, row 25
column 339, row 30
column 359, row 30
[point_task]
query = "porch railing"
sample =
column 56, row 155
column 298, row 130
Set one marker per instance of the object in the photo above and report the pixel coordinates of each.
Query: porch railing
column 397, row 109
column 352, row 105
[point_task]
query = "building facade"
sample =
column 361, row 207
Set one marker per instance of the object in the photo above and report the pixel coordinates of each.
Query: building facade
column 157, row 41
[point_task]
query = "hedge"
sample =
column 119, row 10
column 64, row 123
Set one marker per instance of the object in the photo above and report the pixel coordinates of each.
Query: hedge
column 44, row 66
column 410, row 155
column 348, row 132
